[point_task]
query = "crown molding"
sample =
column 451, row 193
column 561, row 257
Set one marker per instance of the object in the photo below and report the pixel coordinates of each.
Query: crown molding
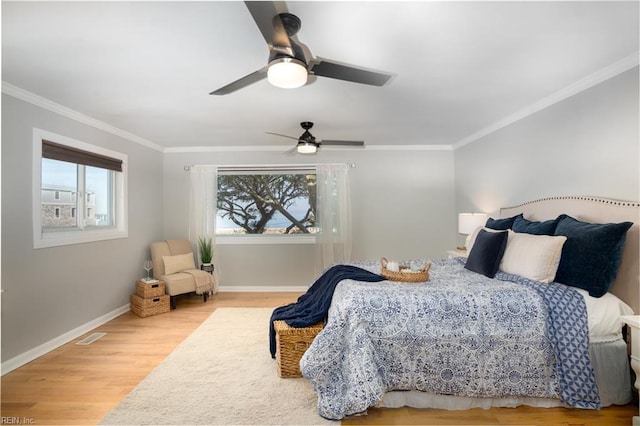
column 585, row 83
column 280, row 148
column 243, row 148
column 32, row 98
column 408, row 148
column 23, row 95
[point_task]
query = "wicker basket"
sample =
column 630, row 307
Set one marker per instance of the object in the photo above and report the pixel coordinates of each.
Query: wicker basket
column 148, row 307
column 409, row 277
column 291, row 344
column 148, row 290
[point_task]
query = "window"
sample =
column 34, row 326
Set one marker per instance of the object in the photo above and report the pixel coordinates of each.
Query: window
column 77, row 177
column 270, row 201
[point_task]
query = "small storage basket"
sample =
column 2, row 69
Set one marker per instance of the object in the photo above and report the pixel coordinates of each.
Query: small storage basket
column 147, row 290
column 291, row 344
column 148, row 307
column 410, row 277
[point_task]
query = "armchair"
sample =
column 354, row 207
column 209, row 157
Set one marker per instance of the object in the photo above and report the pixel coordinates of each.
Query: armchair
column 173, row 263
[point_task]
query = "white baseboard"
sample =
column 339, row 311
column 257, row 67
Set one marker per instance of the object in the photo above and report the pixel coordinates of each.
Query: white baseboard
column 52, row 344
column 55, row 343
column 262, row 289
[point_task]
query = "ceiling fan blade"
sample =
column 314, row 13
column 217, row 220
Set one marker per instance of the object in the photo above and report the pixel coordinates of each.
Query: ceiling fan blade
column 343, row 143
column 284, row 136
column 338, row 71
column 242, row 82
column 291, row 151
column 265, row 15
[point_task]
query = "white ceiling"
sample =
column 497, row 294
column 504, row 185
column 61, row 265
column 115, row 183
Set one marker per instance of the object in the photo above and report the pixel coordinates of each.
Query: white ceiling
column 459, row 68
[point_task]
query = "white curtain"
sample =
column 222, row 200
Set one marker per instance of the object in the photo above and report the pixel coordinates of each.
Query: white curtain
column 333, row 242
column 202, row 206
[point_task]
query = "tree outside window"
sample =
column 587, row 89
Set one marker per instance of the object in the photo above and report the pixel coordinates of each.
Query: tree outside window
column 266, row 203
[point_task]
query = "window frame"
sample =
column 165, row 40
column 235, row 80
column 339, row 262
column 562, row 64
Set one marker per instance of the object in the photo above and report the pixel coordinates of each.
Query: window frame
column 59, row 237
column 254, row 239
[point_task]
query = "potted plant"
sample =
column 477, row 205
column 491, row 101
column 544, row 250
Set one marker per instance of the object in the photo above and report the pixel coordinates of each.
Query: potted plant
column 206, row 254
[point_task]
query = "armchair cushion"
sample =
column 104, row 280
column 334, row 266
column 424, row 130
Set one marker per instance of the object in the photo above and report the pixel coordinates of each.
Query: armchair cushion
column 178, row 283
column 178, row 263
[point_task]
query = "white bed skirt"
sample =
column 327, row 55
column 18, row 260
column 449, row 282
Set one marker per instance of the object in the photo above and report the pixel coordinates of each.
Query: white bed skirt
column 611, row 367
column 417, row 399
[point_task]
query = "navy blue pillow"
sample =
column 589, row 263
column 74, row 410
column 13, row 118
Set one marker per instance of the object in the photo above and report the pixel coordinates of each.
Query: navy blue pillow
column 591, row 255
column 548, row 227
column 501, row 224
column 487, row 252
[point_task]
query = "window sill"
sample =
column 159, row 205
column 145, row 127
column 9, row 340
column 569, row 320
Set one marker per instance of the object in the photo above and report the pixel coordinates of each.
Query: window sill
column 266, row 239
column 54, row 239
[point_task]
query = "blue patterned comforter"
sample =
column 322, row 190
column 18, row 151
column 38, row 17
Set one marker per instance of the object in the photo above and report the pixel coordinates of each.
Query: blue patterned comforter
column 460, row 333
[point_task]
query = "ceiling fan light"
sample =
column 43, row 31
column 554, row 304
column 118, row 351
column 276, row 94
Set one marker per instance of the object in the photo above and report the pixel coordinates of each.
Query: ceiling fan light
column 307, row 148
column 287, row 73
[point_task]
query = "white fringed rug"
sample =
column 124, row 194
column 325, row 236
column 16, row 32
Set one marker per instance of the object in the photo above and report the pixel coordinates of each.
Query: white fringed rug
column 222, row 374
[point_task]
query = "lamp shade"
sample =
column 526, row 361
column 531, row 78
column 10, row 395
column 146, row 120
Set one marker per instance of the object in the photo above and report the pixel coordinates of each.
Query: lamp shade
column 468, row 222
column 307, row 148
column 287, row 73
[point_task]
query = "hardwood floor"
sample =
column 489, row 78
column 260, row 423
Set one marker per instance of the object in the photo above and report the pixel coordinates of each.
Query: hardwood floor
column 80, row 384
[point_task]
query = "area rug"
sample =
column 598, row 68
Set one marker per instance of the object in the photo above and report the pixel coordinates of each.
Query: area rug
column 222, row 374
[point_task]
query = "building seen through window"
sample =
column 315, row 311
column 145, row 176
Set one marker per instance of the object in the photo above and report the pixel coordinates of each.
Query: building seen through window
column 61, row 184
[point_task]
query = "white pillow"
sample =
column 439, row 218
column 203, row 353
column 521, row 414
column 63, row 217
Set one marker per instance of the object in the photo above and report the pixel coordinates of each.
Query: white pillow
column 532, row 256
column 178, row 263
column 604, row 316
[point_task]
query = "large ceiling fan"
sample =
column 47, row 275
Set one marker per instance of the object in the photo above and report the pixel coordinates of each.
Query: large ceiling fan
column 288, row 66
column 308, row 144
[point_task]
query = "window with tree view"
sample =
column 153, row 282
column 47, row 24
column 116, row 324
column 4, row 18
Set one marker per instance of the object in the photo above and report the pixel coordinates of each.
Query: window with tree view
column 266, row 202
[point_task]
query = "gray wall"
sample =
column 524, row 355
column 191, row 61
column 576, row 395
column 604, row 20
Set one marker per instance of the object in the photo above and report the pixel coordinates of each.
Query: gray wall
column 50, row 291
column 402, row 204
column 587, row 144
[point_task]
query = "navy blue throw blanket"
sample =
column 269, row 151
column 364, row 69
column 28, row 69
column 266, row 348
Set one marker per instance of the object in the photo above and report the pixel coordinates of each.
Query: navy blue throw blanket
column 313, row 306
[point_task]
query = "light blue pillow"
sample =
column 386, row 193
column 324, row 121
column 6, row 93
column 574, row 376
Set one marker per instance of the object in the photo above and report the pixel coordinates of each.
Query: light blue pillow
column 591, row 255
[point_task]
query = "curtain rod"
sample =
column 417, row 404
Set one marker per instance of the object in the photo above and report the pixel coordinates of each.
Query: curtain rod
column 283, row 167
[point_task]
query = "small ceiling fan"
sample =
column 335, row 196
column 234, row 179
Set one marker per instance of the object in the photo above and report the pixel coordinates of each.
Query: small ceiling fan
column 288, row 66
column 308, row 144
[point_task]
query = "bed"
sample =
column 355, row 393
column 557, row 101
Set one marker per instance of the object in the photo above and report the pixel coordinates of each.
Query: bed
column 468, row 339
